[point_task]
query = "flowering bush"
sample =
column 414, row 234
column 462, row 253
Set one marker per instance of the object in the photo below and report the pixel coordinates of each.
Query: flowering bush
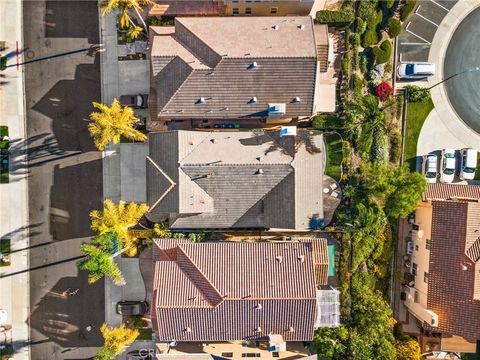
column 384, row 90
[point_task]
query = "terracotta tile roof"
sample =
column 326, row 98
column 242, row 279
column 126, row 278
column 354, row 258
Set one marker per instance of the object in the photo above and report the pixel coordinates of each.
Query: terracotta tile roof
column 441, row 191
column 241, row 179
column 227, row 291
column 210, row 58
column 454, row 278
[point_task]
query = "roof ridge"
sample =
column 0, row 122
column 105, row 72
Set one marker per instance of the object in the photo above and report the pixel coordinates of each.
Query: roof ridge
column 189, row 275
column 172, row 183
column 236, row 164
column 183, row 83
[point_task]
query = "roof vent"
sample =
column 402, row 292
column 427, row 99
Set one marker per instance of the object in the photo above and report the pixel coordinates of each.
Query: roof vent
column 275, row 27
column 225, row 109
column 187, row 329
column 301, row 26
column 252, row 66
column 301, row 258
column 253, row 100
column 296, row 100
column 259, row 172
column 200, row 101
column 259, row 158
column 279, row 258
column 213, row 141
column 291, row 329
column 258, row 329
column 464, row 267
column 259, row 306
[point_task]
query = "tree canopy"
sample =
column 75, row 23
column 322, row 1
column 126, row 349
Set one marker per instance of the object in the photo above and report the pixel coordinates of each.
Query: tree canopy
column 118, row 219
column 110, row 123
column 115, row 340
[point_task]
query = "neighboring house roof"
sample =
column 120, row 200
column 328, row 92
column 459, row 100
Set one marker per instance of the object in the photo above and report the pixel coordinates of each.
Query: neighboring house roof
column 236, row 179
column 187, row 8
column 441, row 191
column 236, row 290
column 454, row 271
column 212, row 59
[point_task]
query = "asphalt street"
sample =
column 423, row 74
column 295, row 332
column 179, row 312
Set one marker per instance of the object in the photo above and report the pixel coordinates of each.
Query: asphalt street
column 65, row 175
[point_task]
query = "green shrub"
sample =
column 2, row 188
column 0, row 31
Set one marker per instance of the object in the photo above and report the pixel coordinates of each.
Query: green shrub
column 355, row 60
column 383, row 53
column 357, row 85
column 379, row 150
column 395, row 147
column 338, row 18
column 326, row 122
column 417, row 93
column 394, row 27
column 366, row 9
column 363, row 63
column 370, row 38
column 388, row 67
column 407, row 9
column 388, row 4
column 354, row 39
column 360, row 25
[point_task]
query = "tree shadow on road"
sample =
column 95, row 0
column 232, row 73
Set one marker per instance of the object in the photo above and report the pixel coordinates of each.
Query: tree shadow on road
column 63, row 319
column 76, row 190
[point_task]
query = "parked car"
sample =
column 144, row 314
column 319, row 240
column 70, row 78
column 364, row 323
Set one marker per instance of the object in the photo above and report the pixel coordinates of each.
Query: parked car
column 468, row 164
column 430, row 168
column 415, row 70
column 448, row 166
column 134, row 101
column 130, row 308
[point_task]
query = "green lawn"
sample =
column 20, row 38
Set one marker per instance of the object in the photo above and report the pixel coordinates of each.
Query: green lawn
column 4, row 249
column 416, row 115
column 334, row 147
column 326, row 122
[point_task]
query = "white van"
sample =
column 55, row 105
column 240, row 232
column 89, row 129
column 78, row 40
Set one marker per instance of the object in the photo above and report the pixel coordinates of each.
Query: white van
column 415, row 70
column 468, row 164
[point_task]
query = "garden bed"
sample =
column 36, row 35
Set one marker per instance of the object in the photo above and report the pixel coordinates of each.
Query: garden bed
column 417, row 112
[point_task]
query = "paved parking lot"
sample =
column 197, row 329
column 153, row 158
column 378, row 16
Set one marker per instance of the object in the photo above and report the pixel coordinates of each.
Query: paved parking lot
column 415, row 40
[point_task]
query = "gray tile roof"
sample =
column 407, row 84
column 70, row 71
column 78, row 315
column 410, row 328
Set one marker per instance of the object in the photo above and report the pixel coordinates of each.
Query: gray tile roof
column 209, row 58
column 250, row 290
column 235, row 179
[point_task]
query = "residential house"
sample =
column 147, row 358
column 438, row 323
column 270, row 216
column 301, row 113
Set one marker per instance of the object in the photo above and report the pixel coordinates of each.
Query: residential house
column 223, row 69
column 233, row 7
column 214, row 297
column 445, row 261
column 236, row 180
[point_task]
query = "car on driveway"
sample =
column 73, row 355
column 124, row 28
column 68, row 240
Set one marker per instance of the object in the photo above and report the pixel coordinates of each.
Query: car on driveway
column 134, row 101
column 415, row 70
column 132, row 308
column 430, row 168
column 448, row 166
column 468, row 164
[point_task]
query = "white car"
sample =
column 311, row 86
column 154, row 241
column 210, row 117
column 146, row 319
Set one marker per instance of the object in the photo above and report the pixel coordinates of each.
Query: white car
column 468, row 164
column 415, row 70
column 430, row 168
column 448, row 166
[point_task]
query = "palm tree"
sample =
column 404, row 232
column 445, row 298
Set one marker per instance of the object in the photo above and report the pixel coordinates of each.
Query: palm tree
column 110, row 123
column 118, row 219
column 100, row 253
column 134, row 32
column 124, row 6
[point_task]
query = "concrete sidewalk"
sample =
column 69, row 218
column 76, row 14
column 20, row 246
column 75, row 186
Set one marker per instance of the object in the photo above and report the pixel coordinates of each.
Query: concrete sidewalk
column 15, row 295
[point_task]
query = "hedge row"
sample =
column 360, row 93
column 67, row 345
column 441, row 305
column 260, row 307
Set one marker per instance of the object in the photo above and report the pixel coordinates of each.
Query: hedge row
column 407, row 9
column 394, row 27
column 340, row 19
column 383, row 53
